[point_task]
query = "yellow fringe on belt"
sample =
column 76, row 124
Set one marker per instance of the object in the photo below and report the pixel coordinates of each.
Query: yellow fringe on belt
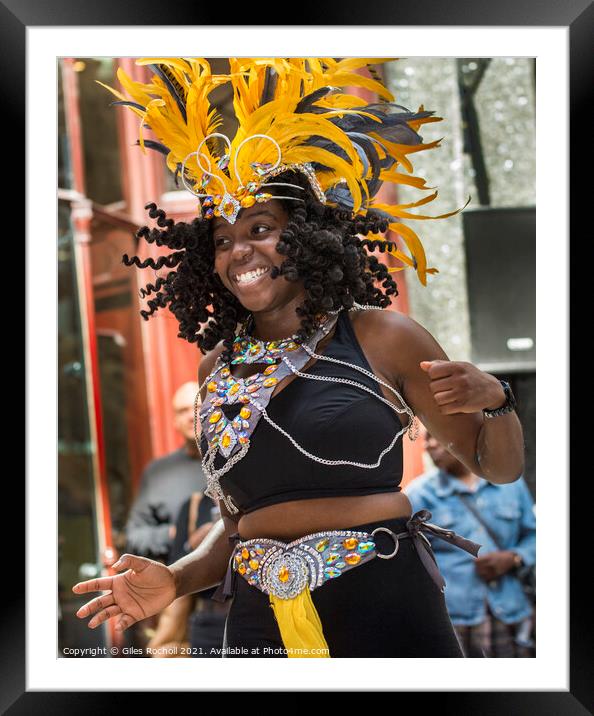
column 300, row 626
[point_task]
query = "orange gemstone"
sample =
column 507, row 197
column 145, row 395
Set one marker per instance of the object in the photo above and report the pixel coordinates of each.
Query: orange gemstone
column 245, row 553
column 350, row 543
column 253, row 563
column 242, row 568
column 270, row 369
column 352, row 558
column 245, row 413
column 283, row 575
column 269, row 382
column 248, row 201
column 215, row 417
column 226, row 440
column 212, row 386
column 233, row 389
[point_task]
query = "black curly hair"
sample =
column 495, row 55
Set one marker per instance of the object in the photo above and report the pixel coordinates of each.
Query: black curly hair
column 322, row 247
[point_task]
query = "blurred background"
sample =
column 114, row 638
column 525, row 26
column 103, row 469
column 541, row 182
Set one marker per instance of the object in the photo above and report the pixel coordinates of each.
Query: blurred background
column 118, row 374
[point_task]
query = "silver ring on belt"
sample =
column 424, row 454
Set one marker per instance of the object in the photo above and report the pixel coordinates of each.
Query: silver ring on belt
column 393, row 536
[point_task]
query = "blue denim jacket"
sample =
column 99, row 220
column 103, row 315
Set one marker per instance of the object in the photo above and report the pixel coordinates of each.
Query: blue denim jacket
column 509, row 511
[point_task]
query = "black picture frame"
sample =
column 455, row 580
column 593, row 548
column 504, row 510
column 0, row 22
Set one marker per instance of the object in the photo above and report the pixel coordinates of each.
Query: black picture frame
column 576, row 15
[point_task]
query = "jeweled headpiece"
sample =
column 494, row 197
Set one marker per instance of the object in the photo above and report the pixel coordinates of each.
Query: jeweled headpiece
column 292, row 116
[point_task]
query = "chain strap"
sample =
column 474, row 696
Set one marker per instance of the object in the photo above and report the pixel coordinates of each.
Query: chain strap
column 322, row 460
column 405, row 408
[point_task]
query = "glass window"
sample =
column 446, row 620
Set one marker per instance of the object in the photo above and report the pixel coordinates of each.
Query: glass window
column 99, row 129
column 77, row 537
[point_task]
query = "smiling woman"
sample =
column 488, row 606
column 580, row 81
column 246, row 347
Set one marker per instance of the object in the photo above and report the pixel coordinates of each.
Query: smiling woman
column 277, row 284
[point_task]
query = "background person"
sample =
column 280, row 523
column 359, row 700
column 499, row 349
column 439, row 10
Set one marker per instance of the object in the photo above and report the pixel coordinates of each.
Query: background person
column 484, row 597
column 165, row 484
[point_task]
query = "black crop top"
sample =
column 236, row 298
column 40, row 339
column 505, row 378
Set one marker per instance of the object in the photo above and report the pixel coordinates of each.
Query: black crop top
column 331, row 420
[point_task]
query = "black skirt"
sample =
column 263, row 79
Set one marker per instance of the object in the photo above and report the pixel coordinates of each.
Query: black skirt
column 386, row 607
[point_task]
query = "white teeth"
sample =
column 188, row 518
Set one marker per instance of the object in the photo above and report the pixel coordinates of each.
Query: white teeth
column 250, row 276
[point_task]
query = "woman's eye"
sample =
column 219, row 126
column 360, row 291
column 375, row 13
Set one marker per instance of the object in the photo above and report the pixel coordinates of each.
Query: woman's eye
column 258, row 229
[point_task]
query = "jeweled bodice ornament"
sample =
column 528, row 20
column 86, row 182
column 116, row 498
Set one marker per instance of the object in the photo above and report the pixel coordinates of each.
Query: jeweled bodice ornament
column 227, row 435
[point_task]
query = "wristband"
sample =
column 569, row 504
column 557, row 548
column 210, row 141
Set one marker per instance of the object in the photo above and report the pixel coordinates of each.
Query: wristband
column 507, row 407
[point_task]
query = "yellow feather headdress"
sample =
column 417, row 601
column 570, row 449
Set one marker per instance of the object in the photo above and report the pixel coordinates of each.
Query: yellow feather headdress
column 292, row 115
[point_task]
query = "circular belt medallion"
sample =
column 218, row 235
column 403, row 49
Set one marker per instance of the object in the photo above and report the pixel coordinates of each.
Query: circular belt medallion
column 287, row 576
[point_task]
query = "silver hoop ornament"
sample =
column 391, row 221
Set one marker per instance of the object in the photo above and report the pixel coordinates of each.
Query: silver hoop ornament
column 393, row 536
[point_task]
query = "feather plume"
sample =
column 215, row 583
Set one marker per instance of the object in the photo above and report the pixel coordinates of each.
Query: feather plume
column 310, row 122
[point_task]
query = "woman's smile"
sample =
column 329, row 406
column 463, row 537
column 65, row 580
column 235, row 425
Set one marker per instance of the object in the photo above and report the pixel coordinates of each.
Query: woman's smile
column 251, row 277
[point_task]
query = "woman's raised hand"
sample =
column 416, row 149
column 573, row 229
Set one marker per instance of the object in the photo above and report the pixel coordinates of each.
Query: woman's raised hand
column 144, row 589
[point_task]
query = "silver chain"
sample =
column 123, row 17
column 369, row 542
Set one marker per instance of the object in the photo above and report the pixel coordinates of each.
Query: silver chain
column 405, row 408
column 322, row 460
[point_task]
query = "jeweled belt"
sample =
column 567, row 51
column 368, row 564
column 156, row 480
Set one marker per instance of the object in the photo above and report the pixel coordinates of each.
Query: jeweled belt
column 286, row 569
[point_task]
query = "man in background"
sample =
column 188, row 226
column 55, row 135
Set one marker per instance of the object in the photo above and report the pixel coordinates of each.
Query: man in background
column 166, row 483
column 484, row 596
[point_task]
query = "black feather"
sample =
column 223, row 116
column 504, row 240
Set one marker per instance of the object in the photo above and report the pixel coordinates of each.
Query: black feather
column 306, row 102
column 128, row 104
column 174, row 89
column 340, row 195
column 318, row 141
column 363, row 157
column 393, row 125
column 157, row 146
column 367, row 144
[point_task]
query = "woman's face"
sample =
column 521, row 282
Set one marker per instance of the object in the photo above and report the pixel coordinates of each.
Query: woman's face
column 245, row 253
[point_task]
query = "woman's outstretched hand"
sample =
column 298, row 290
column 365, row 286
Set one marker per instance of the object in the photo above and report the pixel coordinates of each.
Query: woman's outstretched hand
column 144, row 589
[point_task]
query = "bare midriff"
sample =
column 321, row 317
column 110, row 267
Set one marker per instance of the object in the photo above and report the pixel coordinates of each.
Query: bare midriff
column 291, row 520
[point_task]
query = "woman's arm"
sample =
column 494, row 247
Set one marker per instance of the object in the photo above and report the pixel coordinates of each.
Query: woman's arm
column 447, row 396
column 205, row 567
